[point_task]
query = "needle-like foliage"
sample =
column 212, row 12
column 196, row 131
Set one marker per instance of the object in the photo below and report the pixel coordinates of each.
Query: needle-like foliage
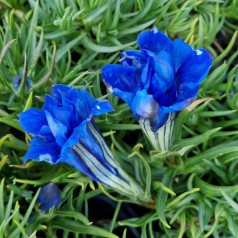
column 194, row 184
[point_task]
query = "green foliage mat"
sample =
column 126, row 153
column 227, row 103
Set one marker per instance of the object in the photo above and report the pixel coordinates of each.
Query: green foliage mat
column 68, row 42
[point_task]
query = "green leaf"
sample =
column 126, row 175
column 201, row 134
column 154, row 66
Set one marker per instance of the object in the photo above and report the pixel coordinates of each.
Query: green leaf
column 182, row 219
column 209, row 154
column 74, row 214
column 11, row 122
column 176, row 200
column 47, row 76
column 162, row 196
column 5, row 48
column 2, row 201
column 67, row 47
column 179, row 121
column 135, row 29
column 104, row 49
column 76, row 227
column 117, row 127
column 196, row 140
column 227, row 50
column 28, row 213
column 136, row 222
column 214, row 190
column 28, row 102
column 36, row 54
column 141, row 14
column 157, row 185
column 216, row 114
column 229, row 200
column 20, row 191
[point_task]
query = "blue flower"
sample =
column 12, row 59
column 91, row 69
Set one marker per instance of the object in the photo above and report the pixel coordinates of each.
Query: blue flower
column 49, row 197
column 64, row 131
column 16, row 82
column 159, row 80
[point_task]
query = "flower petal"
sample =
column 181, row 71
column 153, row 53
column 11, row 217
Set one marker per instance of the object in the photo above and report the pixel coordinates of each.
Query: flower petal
column 60, row 90
column 101, row 107
column 193, row 71
column 160, row 119
column 146, row 74
column 180, row 53
column 45, row 133
column 28, row 121
column 153, row 40
column 85, row 104
column 163, row 66
column 127, row 97
column 179, row 106
column 133, row 58
column 42, row 150
column 61, row 110
column 123, row 78
column 144, row 105
column 49, row 102
column 157, row 85
column 183, row 101
column 58, row 129
column 63, row 115
column 83, row 135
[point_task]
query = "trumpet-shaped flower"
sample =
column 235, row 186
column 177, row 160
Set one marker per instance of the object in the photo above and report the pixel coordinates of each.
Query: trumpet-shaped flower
column 64, row 131
column 158, row 81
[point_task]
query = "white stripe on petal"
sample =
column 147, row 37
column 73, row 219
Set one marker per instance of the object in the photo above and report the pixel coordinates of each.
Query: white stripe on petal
column 161, row 139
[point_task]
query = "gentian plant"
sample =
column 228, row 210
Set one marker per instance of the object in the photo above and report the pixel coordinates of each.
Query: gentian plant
column 192, row 172
column 64, row 131
column 157, row 82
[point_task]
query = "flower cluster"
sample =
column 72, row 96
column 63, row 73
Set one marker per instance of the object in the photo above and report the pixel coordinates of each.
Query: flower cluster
column 158, row 81
column 64, row 131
